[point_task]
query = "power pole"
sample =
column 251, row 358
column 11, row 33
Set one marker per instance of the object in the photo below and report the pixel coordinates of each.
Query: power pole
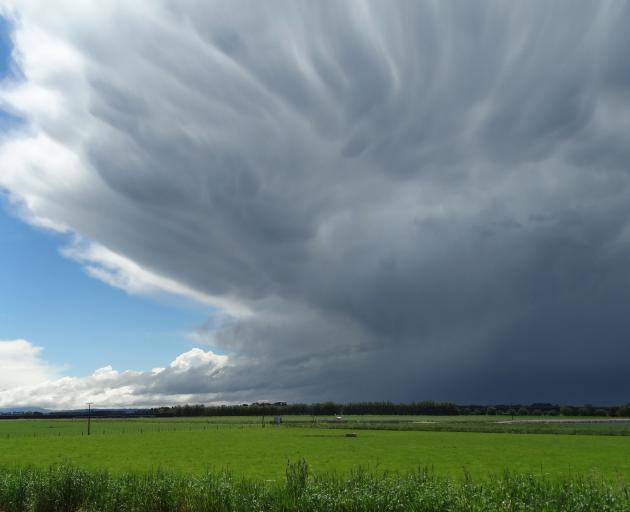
column 89, row 404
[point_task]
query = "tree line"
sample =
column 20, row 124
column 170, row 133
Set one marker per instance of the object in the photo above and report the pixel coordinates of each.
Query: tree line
column 427, row 407
column 316, row 409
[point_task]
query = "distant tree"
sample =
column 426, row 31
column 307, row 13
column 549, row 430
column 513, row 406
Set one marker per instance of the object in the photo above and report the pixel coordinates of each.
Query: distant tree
column 567, row 410
column 587, row 410
column 623, row 411
column 537, row 412
column 601, row 412
column 552, row 412
column 522, row 411
column 491, row 411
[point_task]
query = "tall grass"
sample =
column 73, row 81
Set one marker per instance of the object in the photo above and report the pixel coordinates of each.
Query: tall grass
column 67, row 488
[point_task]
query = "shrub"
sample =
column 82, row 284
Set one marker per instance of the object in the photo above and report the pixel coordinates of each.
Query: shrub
column 587, row 410
column 623, row 411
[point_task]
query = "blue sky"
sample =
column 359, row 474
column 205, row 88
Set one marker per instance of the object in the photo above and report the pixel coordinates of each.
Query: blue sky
column 82, row 323
column 5, row 61
column 51, row 302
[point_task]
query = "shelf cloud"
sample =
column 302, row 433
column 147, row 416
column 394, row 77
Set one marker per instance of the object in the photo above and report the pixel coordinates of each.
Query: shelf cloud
column 401, row 200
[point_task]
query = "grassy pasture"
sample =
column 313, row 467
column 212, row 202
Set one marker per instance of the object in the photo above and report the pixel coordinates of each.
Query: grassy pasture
column 195, row 446
column 10, row 428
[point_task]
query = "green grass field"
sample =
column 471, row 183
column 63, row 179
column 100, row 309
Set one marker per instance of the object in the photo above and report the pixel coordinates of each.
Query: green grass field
column 491, row 424
column 248, row 450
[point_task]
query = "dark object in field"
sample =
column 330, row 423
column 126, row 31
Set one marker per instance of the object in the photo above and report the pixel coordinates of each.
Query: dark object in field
column 351, row 434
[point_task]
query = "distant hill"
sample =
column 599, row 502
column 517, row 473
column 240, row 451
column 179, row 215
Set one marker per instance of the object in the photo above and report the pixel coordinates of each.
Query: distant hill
column 9, row 410
column 70, row 413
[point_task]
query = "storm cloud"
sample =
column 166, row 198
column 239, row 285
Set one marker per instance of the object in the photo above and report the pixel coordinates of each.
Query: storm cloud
column 377, row 200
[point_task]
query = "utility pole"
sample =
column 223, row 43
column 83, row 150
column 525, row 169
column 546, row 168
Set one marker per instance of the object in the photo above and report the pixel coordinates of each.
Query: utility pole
column 89, row 404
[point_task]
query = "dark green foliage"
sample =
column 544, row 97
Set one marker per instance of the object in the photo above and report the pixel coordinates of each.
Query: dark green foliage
column 69, row 489
column 296, row 476
column 623, row 411
column 14, row 489
column 318, row 409
column 261, row 409
column 60, row 489
column 587, row 410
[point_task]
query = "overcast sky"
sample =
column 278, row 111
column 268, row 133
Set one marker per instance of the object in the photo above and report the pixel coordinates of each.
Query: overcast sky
column 399, row 200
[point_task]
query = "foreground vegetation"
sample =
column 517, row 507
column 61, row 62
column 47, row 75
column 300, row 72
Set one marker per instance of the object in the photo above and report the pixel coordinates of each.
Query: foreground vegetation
column 67, row 488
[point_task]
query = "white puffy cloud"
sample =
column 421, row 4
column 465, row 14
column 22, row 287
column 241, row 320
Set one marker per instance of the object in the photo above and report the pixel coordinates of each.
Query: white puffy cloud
column 190, row 378
column 21, row 364
column 387, row 200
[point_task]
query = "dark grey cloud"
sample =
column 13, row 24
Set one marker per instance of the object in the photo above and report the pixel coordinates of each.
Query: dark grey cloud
column 411, row 199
